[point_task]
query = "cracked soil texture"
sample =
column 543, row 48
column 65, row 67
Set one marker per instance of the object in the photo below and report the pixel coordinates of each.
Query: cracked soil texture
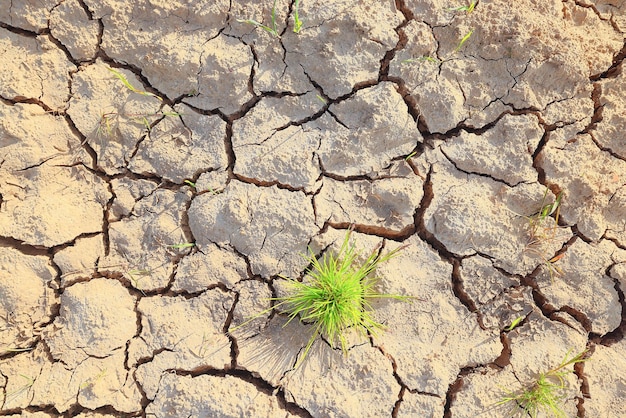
column 164, row 167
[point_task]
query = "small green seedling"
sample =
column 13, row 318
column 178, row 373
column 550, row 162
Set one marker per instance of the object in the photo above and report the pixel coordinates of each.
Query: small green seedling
column 515, row 323
column 463, row 40
column 536, row 221
column 544, row 395
column 272, row 30
column 321, row 99
column 182, row 246
column 297, row 23
column 469, row 8
column 335, row 296
column 540, row 233
column 190, row 183
column 428, row 58
column 411, row 155
column 129, row 86
column 108, row 120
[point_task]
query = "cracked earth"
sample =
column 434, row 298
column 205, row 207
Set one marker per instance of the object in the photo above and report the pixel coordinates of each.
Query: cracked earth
column 139, row 225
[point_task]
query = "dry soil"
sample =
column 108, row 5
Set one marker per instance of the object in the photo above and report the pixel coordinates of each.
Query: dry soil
column 163, row 166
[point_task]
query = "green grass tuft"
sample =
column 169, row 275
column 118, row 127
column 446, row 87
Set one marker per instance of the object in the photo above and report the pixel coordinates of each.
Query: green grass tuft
column 335, row 295
column 544, row 395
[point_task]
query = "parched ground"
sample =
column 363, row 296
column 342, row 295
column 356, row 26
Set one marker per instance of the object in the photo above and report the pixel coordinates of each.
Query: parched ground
column 163, row 166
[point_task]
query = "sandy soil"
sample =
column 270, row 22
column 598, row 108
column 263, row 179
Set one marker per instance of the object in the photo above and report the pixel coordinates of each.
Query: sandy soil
column 254, row 147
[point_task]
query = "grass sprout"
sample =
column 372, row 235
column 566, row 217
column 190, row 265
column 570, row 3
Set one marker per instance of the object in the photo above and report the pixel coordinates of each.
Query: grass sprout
column 539, row 233
column 514, row 323
column 335, row 296
column 109, row 120
column 130, row 87
column 545, row 395
column 463, row 40
column 469, row 8
column 297, row 23
column 542, row 231
column 411, row 155
column 273, row 30
column 321, row 99
column 428, row 58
